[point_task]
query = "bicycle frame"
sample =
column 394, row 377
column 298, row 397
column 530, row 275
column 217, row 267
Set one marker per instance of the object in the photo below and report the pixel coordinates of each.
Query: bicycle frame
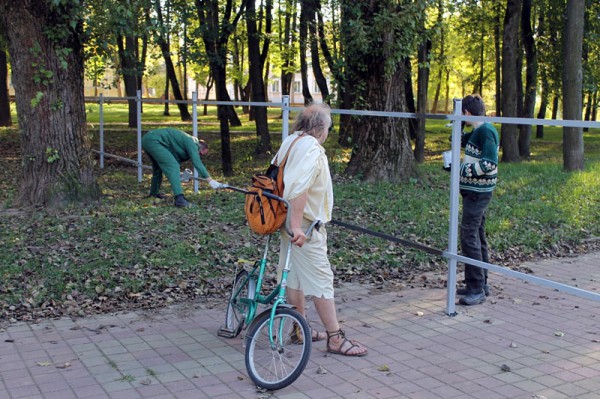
column 256, row 298
column 277, row 296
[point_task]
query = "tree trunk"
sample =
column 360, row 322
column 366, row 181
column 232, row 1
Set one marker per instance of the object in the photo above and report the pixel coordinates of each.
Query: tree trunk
column 209, row 85
column 256, row 77
column 321, row 80
column 216, row 31
column 498, row 61
column 56, row 153
column 588, row 108
column 129, row 72
column 447, row 85
column 5, row 118
column 481, row 63
column 543, row 107
column 572, row 84
column 183, row 108
column 422, row 83
column 304, row 17
column 287, row 46
column 441, row 57
column 530, row 79
column 539, row 133
column 510, row 50
column 171, row 75
column 555, row 102
column 166, row 95
column 382, row 149
column 413, row 124
column 223, row 113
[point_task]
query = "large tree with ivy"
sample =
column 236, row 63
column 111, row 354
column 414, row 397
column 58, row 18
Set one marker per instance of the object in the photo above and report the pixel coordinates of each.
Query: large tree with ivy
column 377, row 37
column 45, row 43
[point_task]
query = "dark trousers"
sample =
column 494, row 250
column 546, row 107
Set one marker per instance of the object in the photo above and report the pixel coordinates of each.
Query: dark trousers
column 472, row 237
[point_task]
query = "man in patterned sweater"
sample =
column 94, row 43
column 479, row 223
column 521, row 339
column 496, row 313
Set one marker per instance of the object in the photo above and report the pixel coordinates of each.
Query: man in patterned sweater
column 478, row 175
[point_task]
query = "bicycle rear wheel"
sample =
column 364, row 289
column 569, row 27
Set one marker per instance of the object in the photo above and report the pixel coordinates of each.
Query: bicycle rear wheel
column 237, row 310
column 275, row 367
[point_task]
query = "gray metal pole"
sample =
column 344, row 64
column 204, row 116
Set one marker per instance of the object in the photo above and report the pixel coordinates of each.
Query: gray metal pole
column 285, row 119
column 101, row 131
column 138, row 99
column 454, row 189
column 195, row 131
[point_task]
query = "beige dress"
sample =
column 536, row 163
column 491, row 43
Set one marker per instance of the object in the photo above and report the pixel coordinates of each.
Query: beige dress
column 307, row 170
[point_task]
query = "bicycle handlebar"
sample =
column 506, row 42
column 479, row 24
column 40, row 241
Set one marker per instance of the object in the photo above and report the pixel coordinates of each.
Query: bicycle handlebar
column 314, row 225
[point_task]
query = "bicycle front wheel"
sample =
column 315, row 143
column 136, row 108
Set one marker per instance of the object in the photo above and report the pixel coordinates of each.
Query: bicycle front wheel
column 275, row 364
column 235, row 317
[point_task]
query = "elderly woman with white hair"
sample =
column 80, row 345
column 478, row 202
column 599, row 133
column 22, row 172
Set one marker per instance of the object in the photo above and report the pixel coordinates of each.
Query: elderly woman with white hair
column 309, row 190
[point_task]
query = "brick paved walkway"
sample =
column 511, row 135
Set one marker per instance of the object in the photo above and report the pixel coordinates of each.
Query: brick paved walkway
column 526, row 341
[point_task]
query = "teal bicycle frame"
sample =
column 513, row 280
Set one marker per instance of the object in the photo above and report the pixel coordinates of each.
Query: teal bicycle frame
column 277, row 296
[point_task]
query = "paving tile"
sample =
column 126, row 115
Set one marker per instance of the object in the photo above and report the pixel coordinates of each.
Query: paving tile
column 430, row 356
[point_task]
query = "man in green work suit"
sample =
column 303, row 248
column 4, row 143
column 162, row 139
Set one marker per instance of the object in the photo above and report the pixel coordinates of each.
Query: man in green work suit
column 167, row 148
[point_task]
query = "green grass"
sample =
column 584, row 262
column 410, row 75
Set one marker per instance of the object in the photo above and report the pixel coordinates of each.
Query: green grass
column 131, row 251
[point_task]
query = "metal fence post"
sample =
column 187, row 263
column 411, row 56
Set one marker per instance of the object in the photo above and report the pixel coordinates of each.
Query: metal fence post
column 138, row 99
column 101, row 130
column 195, row 131
column 454, row 189
column 285, row 117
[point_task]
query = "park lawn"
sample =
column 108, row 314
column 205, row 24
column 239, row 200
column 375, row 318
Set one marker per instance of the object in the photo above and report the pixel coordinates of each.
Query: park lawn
column 130, row 251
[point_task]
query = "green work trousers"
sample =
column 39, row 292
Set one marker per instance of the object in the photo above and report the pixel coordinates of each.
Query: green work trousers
column 163, row 161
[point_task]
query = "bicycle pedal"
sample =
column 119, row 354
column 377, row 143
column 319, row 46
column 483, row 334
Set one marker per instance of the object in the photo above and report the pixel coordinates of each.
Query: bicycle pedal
column 226, row 333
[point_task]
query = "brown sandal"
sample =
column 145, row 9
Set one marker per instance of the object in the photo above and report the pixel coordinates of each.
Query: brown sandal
column 296, row 335
column 317, row 335
column 353, row 344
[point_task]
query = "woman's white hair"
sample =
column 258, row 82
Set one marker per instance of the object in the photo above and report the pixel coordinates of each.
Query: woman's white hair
column 313, row 120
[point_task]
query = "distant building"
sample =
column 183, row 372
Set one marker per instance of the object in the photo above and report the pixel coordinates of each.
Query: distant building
column 107, row 89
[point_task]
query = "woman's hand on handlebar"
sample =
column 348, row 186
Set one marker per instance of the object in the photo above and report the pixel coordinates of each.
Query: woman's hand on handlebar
column 298, row 237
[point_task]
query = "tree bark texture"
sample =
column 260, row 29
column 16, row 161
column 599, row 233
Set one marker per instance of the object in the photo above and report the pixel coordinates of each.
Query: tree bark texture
column 55, row 147
column 422, row 92
column 256, row 77
column 288, row 40
column 5, row 118
column 413, row 123
column 164, row 45
column 510, row 59
column 572, row 84
column 382, row 149
column 531, row 71
column 216, row 30
column 321, row 80
column 304, row 19
column 545, row 87
column 128, row 68
column 497, row 62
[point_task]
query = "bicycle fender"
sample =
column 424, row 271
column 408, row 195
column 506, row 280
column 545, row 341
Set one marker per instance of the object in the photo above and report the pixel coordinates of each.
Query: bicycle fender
column 257, row 317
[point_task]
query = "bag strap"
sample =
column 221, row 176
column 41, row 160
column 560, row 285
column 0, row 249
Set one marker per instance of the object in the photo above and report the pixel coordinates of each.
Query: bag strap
column 284, row 160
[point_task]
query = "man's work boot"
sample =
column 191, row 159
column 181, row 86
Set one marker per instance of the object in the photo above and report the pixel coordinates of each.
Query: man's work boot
column 465, row 291
column 473, row 299
column 158, row 196
column 181, row 202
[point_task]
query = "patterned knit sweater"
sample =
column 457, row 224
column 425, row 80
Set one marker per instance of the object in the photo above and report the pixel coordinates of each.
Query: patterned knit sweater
column 479, row 168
